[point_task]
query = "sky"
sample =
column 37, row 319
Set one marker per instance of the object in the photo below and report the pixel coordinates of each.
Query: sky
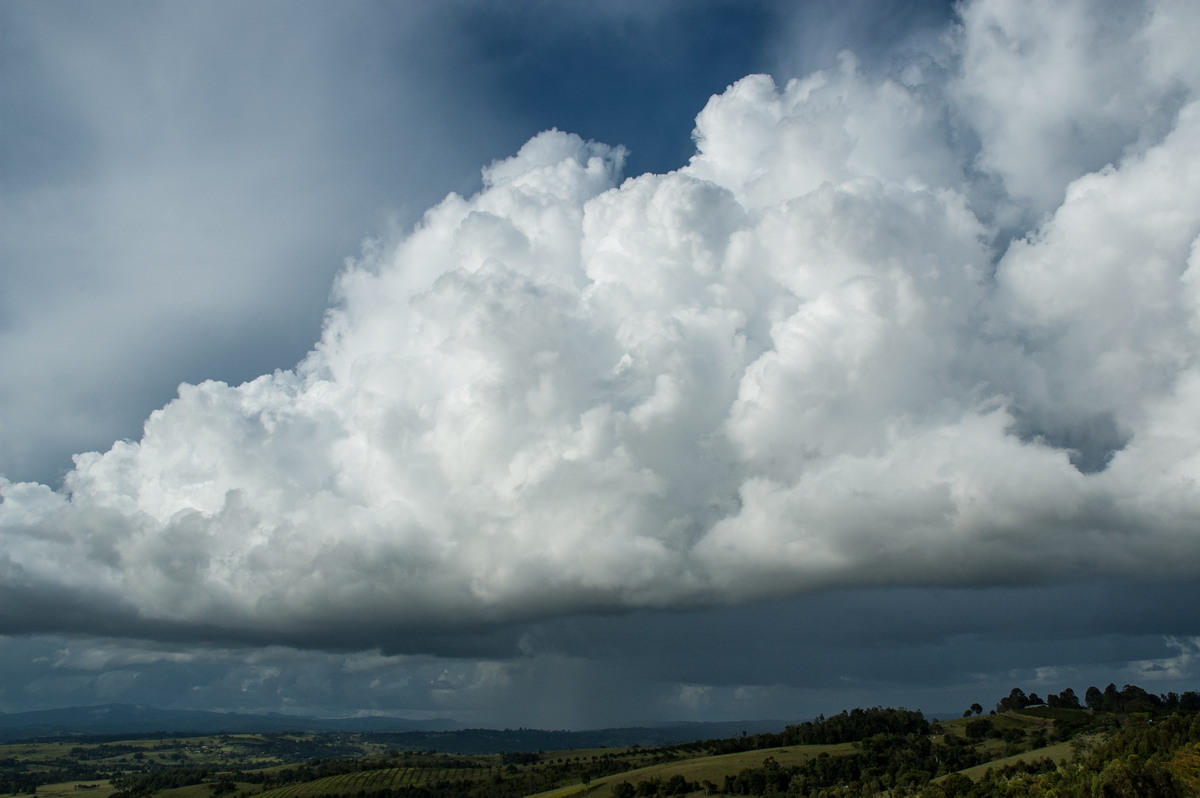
column 570, row 365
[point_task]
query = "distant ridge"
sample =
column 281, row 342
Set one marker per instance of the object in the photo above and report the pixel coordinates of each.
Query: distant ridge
column 490, row 741
column 109, row 719
column 442, row 734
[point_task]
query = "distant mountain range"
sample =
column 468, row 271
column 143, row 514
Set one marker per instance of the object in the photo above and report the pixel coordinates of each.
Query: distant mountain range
column 442, row 734
column 109, row 719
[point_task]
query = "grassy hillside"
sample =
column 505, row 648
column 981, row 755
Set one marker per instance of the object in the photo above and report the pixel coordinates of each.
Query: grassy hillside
column 1060, row 752
column 702, row 769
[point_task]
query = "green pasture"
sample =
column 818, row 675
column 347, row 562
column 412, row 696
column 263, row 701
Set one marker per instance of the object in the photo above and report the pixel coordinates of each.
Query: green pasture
column 1057, row 753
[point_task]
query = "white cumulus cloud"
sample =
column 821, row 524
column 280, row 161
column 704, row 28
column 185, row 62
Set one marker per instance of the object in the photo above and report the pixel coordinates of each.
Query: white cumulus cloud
column 800, row 361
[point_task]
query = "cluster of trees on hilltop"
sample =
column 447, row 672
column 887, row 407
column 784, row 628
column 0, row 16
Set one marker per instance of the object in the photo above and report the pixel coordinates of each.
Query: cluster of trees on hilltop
column 855, row 724
column 1130, row 698
column 1134, row 699
column 848, row 726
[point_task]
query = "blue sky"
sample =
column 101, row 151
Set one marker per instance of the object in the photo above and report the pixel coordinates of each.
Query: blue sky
column 531, row 364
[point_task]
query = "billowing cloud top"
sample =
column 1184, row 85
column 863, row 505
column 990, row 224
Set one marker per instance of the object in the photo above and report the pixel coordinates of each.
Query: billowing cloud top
column 816, row 355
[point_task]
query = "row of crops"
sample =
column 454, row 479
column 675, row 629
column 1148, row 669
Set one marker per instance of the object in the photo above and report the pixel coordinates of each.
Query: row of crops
column 369, row 781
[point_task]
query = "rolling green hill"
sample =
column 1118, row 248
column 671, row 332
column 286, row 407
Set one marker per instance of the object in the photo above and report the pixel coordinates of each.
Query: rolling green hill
column 1127, row 744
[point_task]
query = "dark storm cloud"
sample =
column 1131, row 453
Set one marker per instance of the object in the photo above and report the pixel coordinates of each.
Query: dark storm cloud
column 890, row 634
column 938, row 649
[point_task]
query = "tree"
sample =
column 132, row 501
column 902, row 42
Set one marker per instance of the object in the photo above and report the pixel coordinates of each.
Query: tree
column 952, row 786
column 1068, row 700
column 978, row 728
column 677, row 785
column 1112, row 698
column 1135, row 699
column 1016, row 699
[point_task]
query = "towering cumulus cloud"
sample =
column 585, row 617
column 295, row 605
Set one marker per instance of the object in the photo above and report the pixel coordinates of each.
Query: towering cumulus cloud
column 934, row 326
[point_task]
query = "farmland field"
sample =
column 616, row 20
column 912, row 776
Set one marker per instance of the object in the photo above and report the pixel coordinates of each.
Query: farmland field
column 376, row 780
